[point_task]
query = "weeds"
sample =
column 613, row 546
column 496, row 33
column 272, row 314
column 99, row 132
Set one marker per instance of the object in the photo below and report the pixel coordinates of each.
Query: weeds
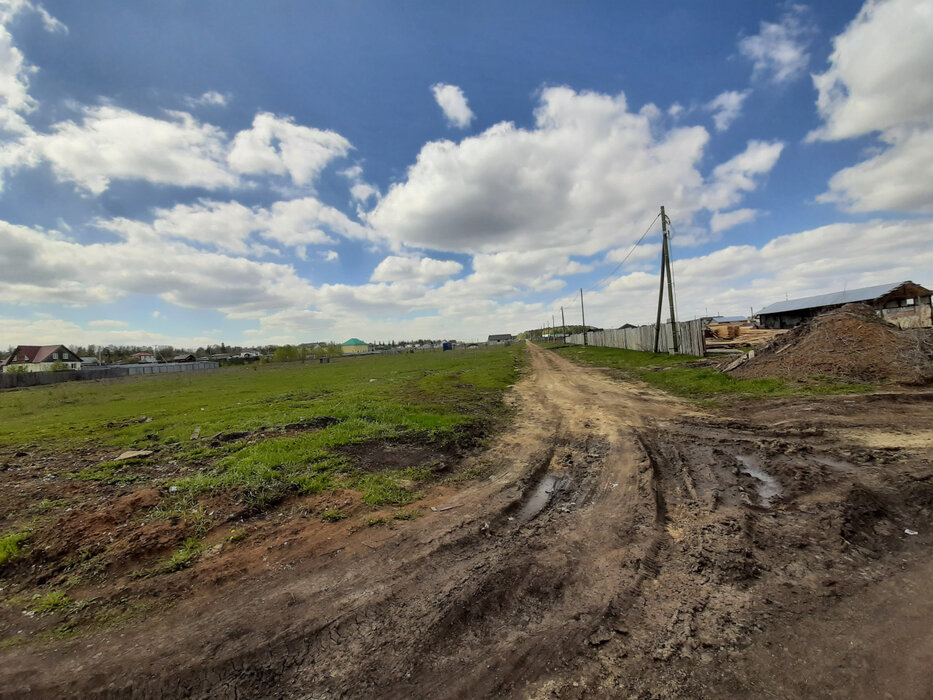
column 11, row 545
column 183, row 557
column 332, row 515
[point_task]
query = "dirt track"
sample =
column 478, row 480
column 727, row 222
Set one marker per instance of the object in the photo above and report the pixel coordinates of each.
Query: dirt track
column 622, row 548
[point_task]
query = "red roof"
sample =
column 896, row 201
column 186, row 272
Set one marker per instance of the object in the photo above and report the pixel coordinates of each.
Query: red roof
column 33, row 354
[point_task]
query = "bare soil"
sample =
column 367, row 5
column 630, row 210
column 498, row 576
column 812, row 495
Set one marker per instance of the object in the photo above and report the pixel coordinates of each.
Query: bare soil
column 625, row 544
column 851, row 342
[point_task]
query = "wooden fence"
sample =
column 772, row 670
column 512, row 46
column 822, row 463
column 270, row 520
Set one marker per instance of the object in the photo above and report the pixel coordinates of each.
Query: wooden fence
column 689, row 333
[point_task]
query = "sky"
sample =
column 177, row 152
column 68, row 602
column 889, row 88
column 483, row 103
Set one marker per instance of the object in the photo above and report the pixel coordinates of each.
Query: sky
column 189, row 173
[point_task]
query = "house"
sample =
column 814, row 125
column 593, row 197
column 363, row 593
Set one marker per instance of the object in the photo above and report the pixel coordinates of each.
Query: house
column 143, row 357
column 248, row 355
column 904, row 304
column 40, row 358
column 187, row 357
column 354, row 346
column 90, row 362
column 500, row 339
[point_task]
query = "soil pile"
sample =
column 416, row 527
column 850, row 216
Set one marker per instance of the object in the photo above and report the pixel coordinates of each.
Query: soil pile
column 849, row 343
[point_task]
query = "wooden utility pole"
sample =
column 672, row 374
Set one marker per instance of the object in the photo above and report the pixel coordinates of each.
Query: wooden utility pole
column 563, row 324
column 666, row 270
column 583, row 314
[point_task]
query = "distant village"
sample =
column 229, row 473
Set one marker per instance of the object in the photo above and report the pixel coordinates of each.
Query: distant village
column 904, row 304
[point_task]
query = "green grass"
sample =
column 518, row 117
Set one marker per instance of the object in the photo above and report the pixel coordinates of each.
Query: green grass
column 333, row 515
column 183, row 557
column 11, row 545
column 668, row 373
column 422, row 398
column 51, row 602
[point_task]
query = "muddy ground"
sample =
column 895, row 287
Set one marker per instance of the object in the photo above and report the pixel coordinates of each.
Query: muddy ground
column 626, row 544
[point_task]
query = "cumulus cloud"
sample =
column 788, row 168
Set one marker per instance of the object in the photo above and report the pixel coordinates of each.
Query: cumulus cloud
column 861, row 95
column 726, row 107
column 278, row 146
column 329, row 255
column 211, row 98
column 15, row 100
column 721, row 221
column 453, row 103
column 576, row 181
column 111, row 142
column 734, row 278
column 415, row 269
column 235, row 228
column 107, row 323
column 779, row 52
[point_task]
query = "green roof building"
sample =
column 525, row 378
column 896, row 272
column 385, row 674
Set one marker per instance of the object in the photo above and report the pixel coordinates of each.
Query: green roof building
column 354, row 345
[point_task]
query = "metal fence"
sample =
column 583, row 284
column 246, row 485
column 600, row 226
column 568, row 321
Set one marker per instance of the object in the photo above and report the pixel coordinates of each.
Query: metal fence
column 689, row 334
column 18, row 380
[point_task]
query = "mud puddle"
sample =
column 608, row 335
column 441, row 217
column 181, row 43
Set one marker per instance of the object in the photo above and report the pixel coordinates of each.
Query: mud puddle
column 549, row 486
column 768, row 487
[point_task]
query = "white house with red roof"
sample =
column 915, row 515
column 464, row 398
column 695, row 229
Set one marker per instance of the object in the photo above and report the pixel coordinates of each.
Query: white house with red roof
column 40, row 358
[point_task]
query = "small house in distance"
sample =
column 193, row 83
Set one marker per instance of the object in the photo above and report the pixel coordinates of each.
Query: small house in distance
column 500, row 339
column 354, row 346
column 143, row 357
column 187, row 357
column 904, row 304
column 40, row 358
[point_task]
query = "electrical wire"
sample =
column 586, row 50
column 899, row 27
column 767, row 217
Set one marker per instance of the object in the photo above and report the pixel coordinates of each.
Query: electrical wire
column 627, row 255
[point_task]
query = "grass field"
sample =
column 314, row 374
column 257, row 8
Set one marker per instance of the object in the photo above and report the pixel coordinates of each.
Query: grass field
column 294, row 419
column 671, row 373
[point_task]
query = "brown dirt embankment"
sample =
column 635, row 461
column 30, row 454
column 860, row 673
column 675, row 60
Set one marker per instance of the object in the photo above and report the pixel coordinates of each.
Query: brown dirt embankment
column 849, row 343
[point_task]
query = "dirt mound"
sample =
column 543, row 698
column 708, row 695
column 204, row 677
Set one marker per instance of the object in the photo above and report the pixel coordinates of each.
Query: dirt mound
column 849, row 343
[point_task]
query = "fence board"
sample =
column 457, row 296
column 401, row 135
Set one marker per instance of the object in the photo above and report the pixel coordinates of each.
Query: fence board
column 690, row 336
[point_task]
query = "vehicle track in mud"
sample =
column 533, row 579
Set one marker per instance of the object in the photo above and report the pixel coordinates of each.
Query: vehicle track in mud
column 626, row 545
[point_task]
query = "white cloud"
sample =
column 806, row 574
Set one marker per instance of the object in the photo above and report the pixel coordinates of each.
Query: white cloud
column 111, row 142
column 38, row 267
column 726, row 107
column 234, row 228
column 329, row 255
column 880, row 80
column 721, row 221
column 413, row 269
column 15, row 100
column 779, row 51
column 108, row 323
column 453, row 103
column 47, row 331
column 156, row 314
column 737, row 175
column 732, row 279
column 211, row 98
column 576, row 182
column 278, row 146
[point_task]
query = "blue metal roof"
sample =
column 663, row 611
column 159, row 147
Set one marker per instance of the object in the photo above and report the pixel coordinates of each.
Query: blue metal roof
column 847, row 296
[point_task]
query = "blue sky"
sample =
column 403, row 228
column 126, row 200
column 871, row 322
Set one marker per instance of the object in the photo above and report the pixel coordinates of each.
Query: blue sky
column 188, row 173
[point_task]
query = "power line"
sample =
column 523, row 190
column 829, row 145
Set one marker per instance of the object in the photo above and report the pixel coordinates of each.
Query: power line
column 627, row 255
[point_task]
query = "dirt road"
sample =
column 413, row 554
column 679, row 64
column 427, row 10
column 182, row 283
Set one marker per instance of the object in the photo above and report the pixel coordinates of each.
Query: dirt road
column 627, row 545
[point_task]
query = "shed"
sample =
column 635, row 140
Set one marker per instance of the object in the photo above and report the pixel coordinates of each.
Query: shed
column 905, row 304
column 500, row 339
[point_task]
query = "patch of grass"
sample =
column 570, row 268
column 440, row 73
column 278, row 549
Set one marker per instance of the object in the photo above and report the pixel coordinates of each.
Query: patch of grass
column 183, row 557
column 51, row 602
column 110, row 472
column 45, row 505
column 332, row 515
column 385, row 488
column 407, row 514
column 665, row 372
column 376, row 522
column 11, row 545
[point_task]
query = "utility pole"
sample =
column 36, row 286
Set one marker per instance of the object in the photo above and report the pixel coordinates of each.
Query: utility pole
column 563, row 324
column 583, row 314
column 666, row 269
